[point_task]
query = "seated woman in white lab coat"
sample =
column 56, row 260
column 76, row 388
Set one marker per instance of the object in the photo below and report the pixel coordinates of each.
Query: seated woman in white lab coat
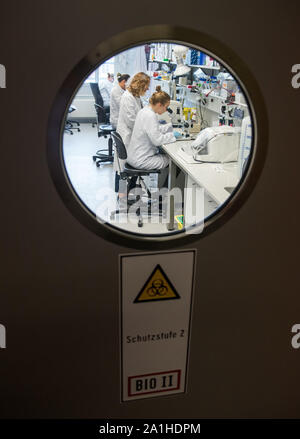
column 130, row 105
column 115, row 98
column 148, row 134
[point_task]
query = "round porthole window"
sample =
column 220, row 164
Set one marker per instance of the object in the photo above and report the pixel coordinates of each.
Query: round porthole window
column 157, row 136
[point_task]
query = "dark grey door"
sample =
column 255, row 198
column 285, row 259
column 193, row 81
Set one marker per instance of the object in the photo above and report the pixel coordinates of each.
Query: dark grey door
column 59, row 299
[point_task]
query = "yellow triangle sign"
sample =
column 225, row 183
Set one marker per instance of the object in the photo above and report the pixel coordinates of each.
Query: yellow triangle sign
column 157, row 287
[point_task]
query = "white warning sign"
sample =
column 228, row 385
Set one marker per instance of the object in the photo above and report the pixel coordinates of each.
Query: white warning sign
column 156, row 300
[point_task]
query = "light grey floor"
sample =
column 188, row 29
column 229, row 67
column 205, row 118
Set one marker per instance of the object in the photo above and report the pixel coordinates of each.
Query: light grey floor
column 95, row 186
column 87, row 180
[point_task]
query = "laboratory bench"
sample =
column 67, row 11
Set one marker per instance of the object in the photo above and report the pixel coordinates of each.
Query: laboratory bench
column 217, row 179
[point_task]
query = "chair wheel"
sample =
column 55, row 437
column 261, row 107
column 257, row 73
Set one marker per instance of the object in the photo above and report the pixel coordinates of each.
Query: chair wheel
column 98, row 164
column 79, row 130
column 71, row 132
column 140, row 222
column 94, row 159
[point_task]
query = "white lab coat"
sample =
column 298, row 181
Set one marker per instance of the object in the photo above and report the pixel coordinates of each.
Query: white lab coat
column 129, row 108
column 147, row 135
column 105, row 88
column 115, row 100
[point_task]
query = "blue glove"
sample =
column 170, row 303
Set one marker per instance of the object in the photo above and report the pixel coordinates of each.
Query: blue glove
column 162, row 122
column 177, row 134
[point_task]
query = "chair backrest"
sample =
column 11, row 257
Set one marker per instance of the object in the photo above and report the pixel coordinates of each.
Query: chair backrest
column 96, row 93
column 101, row 114
column 119, row 144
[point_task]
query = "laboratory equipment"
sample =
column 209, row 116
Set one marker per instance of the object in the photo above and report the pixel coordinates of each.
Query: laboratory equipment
column 246, row 141
column 182, row 80
column 187, row 121
column 217, row 145
column 227, row 84
column 199, row 74
column 228, row 113
column 180, row 53
column 176, row 116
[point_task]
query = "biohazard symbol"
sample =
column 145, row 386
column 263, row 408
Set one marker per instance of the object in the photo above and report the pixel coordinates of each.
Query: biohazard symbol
column 157, row 287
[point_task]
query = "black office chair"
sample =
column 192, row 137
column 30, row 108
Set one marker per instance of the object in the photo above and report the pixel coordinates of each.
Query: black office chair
column 128, row 173
column 69, row 127
column 103, row 127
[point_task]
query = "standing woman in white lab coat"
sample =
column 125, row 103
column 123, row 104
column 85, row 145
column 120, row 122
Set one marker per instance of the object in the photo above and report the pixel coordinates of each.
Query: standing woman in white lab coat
column 148, row 134
column 115, row 98
column 129, row 107
column 105, row 88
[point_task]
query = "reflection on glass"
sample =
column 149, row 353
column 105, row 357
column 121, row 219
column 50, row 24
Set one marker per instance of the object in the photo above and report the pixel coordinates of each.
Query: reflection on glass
column 161, row 151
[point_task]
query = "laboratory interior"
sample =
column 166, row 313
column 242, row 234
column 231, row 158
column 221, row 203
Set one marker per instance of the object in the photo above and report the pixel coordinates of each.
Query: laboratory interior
column 157, row 139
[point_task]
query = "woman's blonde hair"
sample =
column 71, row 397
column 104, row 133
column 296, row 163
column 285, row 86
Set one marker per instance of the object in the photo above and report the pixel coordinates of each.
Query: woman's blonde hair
column 159, row 97
column 139, row 83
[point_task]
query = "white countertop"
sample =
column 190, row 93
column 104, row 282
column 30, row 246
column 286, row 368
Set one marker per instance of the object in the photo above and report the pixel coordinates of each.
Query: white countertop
column 213, row 177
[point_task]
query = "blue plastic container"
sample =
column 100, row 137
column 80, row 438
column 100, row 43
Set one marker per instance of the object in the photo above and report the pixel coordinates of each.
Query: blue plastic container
column 202, row 59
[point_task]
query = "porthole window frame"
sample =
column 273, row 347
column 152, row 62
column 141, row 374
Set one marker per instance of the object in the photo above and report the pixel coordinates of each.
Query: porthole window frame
column 119, row 43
